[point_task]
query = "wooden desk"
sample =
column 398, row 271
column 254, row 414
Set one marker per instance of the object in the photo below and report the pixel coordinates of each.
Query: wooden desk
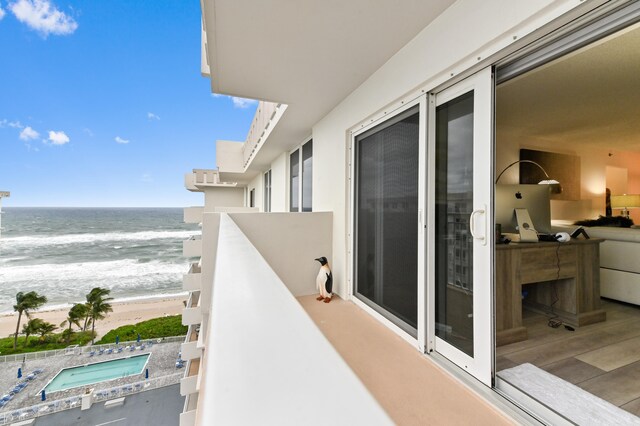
column 576, row 284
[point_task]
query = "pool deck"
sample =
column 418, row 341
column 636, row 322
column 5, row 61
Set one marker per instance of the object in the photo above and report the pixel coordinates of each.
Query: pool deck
column 161, row 363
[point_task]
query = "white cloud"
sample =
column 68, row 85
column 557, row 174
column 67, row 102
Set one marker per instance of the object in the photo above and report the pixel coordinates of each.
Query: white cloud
column 58, row 138
column 147, row 178
column 43, row 16
column 2, row 13
column 242, row 102
column 118, row 139
column 152, row 116
column 14, row 124
column 88, row 131
column 28, row 134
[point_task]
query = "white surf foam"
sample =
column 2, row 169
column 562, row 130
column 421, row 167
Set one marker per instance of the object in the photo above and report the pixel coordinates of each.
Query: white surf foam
column 42, row 241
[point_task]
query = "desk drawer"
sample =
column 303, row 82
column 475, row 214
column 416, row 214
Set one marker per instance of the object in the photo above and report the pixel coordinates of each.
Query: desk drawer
column 541, row 264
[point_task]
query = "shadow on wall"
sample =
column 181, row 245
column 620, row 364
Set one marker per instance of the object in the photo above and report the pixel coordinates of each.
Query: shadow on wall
column 290, row 242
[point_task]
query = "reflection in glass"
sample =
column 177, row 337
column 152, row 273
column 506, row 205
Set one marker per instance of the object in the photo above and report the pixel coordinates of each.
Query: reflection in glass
column 307, row 173
column 294, row 184
column 454, row 204
column 387, row 218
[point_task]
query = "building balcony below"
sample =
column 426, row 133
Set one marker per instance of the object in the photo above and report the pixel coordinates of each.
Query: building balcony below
column 192, row 247
column 192, row 313
column 193, row 214
column 200, row 179
column 192, row 280
column 188, row 415
column 189, row 348
column 188, row 385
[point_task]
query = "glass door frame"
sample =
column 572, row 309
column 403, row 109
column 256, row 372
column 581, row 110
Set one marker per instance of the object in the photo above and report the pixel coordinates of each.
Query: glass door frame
column 481, row 365
column 418, row 341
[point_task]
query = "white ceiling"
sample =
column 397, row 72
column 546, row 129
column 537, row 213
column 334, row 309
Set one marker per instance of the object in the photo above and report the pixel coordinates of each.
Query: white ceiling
column 588, row 98
column 308, row 54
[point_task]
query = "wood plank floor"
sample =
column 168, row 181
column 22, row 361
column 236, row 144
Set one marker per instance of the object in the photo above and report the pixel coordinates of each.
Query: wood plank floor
column 602, row 358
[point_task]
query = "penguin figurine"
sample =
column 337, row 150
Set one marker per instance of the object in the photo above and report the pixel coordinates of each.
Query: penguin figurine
column 324, row 281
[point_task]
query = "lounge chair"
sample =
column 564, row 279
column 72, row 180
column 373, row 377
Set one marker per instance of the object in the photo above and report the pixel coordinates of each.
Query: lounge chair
column 108, row 351
column 101, row 351
column 133, row 348
column 31, row 376
column 38, row 371
column 142, row 347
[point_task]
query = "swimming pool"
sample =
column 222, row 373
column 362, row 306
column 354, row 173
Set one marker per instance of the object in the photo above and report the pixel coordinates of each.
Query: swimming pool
column 74, row 377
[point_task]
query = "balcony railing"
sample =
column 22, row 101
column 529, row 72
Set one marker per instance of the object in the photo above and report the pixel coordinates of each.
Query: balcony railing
column 192, row 313
column 192, row 247
column 201, row 178
column 193, row 214
column 295, row 365
column 192, row 280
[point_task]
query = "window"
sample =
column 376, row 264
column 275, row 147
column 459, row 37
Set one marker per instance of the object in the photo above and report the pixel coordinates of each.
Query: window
column 301, row 165
column 252, row 198
column 267, row 191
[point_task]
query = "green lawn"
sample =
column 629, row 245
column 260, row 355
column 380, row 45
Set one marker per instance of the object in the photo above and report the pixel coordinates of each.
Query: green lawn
column 53, row 341
column 150, row 329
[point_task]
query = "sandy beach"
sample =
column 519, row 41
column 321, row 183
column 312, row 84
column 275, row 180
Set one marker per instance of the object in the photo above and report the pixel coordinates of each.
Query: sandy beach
column 126, row 312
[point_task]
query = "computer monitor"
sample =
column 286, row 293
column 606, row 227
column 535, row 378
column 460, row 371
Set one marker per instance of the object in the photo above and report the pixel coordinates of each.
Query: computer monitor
column 534, row 198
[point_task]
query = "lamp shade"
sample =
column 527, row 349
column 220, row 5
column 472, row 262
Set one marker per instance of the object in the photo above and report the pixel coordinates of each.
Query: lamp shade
column 626, row 201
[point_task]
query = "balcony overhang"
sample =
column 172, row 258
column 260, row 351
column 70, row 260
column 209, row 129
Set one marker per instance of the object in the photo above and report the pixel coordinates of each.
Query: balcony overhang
column 306, row 54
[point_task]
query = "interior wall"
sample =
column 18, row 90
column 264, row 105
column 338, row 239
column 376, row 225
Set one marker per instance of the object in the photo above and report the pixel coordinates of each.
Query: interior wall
column 593, row 174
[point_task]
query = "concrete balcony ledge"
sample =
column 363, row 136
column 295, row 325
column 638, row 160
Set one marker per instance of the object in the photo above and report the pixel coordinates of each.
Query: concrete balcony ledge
column 295, row 372
column 192, row 314
column 188, row 385
column 188, row 418
column 190, row 351
column 192, row 247
column 193, row 214
column 204, row 178
column 192, row 281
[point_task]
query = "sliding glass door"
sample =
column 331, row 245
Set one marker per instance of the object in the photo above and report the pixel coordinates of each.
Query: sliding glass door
column 460, row 284
column 386, row 218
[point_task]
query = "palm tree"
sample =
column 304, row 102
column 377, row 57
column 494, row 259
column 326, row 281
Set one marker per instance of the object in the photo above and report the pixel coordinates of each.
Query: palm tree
column 99, row 307
column 31, row 327
column 75, row 315
column 25, row 303
column 95, row 294
column 45, row 328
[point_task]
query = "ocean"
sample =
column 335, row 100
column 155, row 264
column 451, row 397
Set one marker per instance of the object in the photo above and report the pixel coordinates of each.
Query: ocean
column 63, row 253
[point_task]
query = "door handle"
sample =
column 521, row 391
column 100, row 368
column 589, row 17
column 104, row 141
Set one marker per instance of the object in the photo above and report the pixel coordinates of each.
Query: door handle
column 472, row 226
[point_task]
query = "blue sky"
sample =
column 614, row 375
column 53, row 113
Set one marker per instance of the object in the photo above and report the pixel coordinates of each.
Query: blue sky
column 102, row 103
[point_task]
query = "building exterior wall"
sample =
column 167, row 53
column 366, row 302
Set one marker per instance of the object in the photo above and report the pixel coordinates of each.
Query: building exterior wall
column 429, row 60
column 280, row 184
column 256, row 183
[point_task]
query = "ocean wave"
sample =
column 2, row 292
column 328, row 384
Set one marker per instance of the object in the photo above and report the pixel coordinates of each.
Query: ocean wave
column 42, row 241
column 90, row 271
